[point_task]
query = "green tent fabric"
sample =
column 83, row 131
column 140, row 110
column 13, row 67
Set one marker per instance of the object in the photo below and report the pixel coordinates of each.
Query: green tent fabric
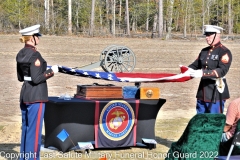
column 200, row 139
column 225, row 146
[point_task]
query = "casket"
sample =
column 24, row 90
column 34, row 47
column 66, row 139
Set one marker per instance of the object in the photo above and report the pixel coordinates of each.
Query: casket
column 99, row 91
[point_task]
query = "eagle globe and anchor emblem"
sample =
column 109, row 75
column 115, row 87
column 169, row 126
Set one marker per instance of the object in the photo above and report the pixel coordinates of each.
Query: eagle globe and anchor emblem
column 116, row 120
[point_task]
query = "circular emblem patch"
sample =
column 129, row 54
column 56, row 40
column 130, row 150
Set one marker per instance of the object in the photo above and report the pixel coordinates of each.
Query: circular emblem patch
column 116, row 120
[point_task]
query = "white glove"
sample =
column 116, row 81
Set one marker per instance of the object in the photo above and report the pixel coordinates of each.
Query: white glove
column 55, row 68
column 196, row 73
column 220, row 85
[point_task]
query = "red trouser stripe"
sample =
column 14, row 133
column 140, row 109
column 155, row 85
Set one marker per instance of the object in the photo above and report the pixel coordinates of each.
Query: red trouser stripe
column 37, row 129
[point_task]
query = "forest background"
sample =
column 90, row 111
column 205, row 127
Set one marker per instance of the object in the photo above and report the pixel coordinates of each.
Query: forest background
column 129, row 18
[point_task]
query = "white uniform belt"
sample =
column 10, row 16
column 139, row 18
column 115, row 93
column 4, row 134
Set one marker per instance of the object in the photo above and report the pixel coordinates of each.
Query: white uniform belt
column 217, row 78
column 27, row 78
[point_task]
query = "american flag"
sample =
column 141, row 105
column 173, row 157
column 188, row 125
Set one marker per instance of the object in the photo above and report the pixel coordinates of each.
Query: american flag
column 184, row 75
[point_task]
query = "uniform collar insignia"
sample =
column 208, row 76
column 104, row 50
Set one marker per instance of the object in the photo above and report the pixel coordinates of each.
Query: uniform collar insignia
column 216, row 45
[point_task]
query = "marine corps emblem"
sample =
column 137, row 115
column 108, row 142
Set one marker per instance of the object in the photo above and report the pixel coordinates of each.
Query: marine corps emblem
column 116, row 120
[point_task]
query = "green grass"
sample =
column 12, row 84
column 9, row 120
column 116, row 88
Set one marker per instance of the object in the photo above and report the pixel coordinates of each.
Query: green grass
column 166, row 132
column 1, row 127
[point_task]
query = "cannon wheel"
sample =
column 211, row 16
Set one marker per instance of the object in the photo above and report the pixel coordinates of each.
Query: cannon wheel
column 118, row 59
column 104, row 52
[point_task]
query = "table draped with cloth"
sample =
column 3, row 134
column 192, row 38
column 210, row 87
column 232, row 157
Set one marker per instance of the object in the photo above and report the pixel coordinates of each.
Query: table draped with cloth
column 107, row 123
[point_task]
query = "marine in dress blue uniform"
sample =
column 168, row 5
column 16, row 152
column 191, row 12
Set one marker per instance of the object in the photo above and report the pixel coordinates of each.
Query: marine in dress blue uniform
column 211, row 65
column 32, row 71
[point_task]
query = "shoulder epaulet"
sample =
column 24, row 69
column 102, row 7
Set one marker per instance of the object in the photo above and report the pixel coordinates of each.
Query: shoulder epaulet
column 223, row 47
column 34, row 56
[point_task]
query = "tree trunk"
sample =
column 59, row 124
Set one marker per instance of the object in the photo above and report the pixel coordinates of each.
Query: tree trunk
column 208, row 6
column 177, row 21
column 52, row 16
column 19, row 13
column 101, row 17
column 154, row 30
column 133, row 20
column 127, row 20
column 203, row 15
column 217, row 13
column 147, row 20
column 69, row 17
column 77, row 17
column 46, row 3
column 160, row 18
column 195, row 24
column 120, row 14
column 169, row 22
column 230, row 17
column 92, row 19
column 114, row 17
column 237, row 17
column 185, row 19
column 107, row 15
column 223, row 11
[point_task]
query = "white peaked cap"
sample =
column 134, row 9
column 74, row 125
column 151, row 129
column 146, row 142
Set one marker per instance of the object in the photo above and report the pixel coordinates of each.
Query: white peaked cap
column 29, row 31
column 212, row 28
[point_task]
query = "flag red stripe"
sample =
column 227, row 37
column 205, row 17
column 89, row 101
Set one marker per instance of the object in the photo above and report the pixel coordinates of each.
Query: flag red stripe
column 96, row 123
column 182, row 79
column 144, row 75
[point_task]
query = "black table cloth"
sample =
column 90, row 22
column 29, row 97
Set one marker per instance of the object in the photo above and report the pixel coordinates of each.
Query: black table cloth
column 76, row 120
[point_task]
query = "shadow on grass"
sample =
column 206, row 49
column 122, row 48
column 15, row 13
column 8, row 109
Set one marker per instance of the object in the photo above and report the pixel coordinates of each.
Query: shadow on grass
column 8, row 151
column 164, row 142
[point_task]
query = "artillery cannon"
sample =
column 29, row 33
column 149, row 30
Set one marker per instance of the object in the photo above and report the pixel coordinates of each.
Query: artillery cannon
column 114, row 58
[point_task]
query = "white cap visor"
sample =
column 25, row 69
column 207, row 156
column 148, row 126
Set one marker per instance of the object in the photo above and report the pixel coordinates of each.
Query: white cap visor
column 29, row 31
column 212, row 28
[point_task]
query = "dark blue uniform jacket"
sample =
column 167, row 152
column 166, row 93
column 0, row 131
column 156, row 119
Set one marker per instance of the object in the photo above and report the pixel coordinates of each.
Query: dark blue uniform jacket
column 31, row 64
column 215, row 62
